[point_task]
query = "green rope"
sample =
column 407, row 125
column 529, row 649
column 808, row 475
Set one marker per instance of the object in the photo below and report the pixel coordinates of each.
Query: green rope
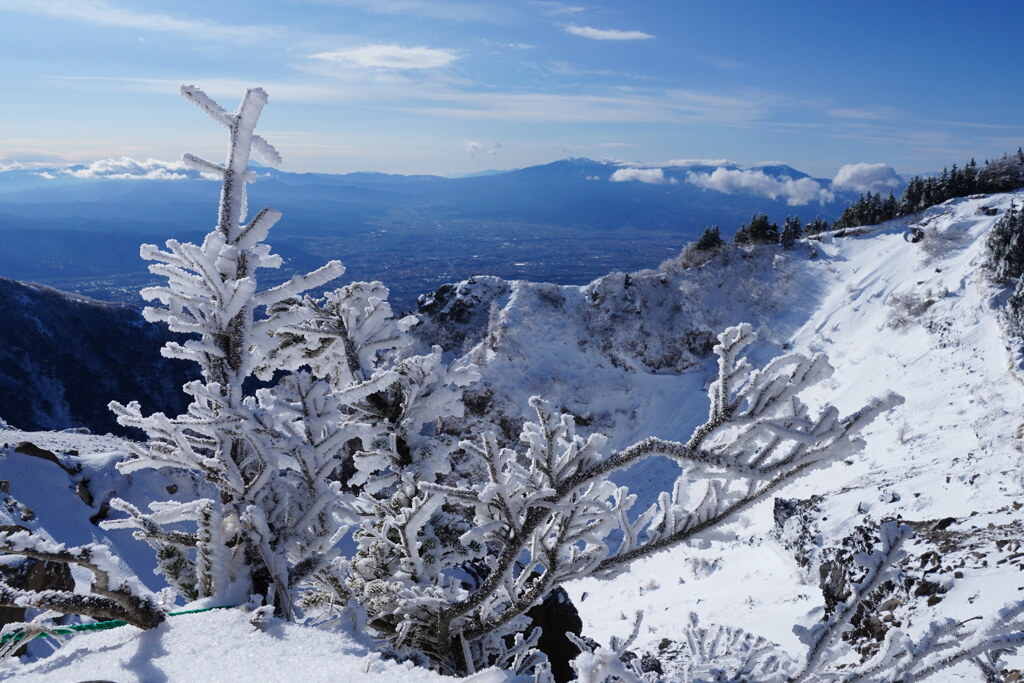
column 100, row 625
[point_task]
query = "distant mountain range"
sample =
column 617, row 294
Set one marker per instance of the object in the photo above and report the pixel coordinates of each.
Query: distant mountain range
column 79, row 228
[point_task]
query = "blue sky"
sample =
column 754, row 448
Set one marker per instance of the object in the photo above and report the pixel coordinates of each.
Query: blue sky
column 457, row 86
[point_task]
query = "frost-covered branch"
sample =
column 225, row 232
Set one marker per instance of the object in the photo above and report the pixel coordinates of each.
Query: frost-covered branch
column 111, row 597
column 351, row 338
column 547, row 515
column 600, row 664
column 717, row 653
column 879, row 565
column 946, row 644
column 901, row 659
column 15, row 634
column 270, row 456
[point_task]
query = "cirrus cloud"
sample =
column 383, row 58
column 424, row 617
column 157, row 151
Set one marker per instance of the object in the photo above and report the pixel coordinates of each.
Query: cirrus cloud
column 101, row 13
column 393, row 57
column 606, row 34
column 864, row 177
column 796, row 192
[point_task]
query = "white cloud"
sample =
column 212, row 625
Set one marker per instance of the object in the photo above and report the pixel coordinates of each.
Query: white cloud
column 606, row 34
column 555, row 8
column 126, row 168
column 696, row 162
column 34, row 166
column 652, row 176
column 454, row 100
column 396, row 57
column 476, row 148
column 103, row 13
column 734, row 181
column 864, row 177
column 675, row 106
column 859, row 113
column 450, row 10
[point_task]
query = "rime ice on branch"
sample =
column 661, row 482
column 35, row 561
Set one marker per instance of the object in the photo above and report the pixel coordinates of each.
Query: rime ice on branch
column 110, row 596
column 547, row 515
column 269, row 455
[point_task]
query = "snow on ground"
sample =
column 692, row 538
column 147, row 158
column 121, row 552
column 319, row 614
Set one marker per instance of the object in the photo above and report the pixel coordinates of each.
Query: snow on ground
column 67, row 480
column 951, row 451
column 916, row 318
column 223, row 646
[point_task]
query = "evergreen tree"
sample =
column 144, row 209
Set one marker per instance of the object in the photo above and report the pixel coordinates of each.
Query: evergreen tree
column 890, row 208
column 742, row 236
column 1015, row 309
column 791, row 232
column 761, row 231
column 1000, row 175
column 1004, row 174
column 1005, row 246
column 818, row 225
column 912, row 196
column 971, row 177
column 275, row 516
column 710, row 240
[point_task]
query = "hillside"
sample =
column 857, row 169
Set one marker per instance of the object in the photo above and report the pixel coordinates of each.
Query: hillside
column 629, row 356
column 63, row 357
column 569, row 221
column 918, row 318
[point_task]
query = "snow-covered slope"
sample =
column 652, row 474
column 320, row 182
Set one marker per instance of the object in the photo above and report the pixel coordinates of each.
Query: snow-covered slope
column 222, row 646
column 67, row 479
column 630, row 357
column 951, row 451
column 916, row 317
column 63, row 357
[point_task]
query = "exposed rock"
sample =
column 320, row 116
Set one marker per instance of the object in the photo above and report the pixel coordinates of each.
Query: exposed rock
column 796, row 528
column 29, row 448
column 556, row 615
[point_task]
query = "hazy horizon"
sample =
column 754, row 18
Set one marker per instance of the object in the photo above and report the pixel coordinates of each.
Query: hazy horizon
column 450, row 87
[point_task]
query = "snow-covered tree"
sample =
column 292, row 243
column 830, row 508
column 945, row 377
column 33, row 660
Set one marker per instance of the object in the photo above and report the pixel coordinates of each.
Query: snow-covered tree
column 391, row 408
column 792, row 230
column 340, row 414
column 710, row 239
column 268, row 455
column 1004, row 258
column 546, row 515
column 817, row 226
column 1004, row 174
